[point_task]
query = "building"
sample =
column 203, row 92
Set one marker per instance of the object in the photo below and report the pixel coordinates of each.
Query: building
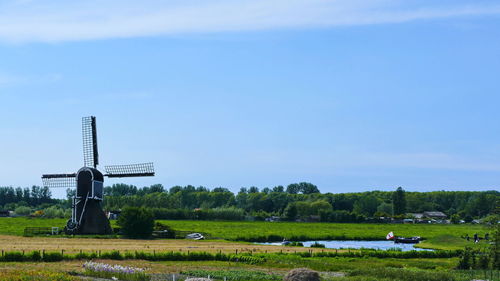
column 435, row 215
column 417, row 216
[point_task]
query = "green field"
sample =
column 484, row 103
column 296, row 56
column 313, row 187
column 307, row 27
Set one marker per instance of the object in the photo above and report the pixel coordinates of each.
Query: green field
column 437, row 236
column 340, row 268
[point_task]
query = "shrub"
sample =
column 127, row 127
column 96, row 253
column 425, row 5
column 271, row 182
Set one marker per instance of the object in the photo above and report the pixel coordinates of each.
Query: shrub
column 302, row 274
column 167, row 231
column 317, row 245
column 34, row 256
column 55, row 212
column 114, row 255
column 22, row 211
column 13, row 256
column 52, row 257
column 136, row 222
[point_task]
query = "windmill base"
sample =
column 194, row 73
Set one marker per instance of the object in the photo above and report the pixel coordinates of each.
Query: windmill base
column 94, row 220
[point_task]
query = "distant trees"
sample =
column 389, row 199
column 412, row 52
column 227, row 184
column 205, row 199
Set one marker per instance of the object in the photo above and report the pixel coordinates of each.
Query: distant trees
column 33, row 196
column 366, row 205
column 399, row 201
column 303, row 187
column 297, row 200
column 385, row 209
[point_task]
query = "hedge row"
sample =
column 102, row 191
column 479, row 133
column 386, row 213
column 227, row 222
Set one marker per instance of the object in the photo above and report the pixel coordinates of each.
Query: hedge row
column 37, row 256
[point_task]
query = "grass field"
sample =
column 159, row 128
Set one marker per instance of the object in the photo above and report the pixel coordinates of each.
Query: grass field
column 332, row 268
column 445, row 237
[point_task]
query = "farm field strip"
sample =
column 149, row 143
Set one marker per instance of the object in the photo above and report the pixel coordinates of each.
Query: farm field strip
column 75, row 245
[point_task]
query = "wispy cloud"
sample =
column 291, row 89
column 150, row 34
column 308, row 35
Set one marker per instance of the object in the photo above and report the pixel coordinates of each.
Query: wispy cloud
column 58, row 20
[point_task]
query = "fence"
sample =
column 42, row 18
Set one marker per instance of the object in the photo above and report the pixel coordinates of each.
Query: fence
column 32, row 231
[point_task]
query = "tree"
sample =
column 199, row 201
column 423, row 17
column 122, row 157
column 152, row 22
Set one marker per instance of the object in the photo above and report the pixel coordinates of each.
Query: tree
column 156, row 188
column 290, row 212
column 278, row 188
column 399, row 201
column 366, row 205
column 136, row 222
column 220, row 189
column 455, row 219
column 308, row 188
column 175, row 189
column 293, row 188
column 321, row 206
column 253, row 189
column 385, row 208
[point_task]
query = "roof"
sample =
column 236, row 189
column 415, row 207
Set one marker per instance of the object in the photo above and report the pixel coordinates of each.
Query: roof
column 435, row 214
column 416, row 215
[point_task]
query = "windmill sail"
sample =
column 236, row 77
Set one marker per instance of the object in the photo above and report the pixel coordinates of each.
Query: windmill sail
column 133, row 170
column 89, row 132
column 59, row 180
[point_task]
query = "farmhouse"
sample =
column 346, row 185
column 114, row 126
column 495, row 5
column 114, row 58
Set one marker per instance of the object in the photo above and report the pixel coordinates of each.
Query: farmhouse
column 417, row 216
column 435, row 215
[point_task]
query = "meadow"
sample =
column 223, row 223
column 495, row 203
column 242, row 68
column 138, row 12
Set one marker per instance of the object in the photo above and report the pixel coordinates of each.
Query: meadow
column 272, row 267
column 218, row 258
column 446, row 237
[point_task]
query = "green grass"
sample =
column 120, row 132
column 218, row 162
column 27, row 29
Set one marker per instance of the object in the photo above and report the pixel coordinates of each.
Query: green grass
column 15, row 226
column 445, row 237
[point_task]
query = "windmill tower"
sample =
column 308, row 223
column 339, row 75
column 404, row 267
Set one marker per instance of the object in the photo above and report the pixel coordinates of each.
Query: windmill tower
column 87, row 216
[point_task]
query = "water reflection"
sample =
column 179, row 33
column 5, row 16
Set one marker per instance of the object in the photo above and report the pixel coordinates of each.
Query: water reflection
column 356, row 244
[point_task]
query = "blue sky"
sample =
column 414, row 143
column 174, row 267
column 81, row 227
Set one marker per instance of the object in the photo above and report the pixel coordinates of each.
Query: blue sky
column 351, row 95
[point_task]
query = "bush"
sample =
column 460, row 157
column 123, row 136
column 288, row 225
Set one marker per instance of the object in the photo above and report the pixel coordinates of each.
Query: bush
column 34, row 256
column 302, row 274
column 13, row 256
column 55, row 212
column 167, row 231
column 114, row 255
column 53, row 257
column 136, row 222
column 317, row 245
column 22, row 211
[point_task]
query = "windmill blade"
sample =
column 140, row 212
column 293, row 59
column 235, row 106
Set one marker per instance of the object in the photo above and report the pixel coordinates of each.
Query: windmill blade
column 132, row 170
column 89, row 133
column 59, row 180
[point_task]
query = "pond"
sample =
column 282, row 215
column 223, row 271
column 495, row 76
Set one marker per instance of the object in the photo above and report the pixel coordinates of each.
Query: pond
column 356, row 244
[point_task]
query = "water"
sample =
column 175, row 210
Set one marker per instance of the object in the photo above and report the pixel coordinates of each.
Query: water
column 356, row 244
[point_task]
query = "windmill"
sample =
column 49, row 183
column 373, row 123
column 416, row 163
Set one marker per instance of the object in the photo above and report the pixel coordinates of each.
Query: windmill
column 87, row 216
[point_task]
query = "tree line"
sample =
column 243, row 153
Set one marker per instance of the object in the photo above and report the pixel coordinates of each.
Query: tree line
column 295, row 201
column 300, row 200
column 33, row 196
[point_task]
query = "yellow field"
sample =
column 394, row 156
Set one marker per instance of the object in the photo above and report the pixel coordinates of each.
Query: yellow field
column 74, row 245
